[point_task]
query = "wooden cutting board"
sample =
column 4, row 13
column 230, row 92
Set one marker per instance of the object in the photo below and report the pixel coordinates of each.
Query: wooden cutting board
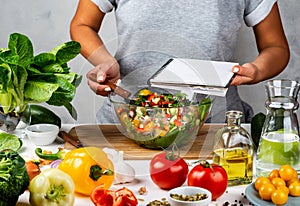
column 111, row 137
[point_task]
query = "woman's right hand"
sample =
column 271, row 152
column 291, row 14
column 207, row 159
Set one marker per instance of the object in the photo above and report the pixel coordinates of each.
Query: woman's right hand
column 105, row 71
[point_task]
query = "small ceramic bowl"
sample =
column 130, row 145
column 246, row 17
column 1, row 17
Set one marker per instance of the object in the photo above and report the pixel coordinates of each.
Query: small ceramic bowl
column 42, row 134
column 190, row 191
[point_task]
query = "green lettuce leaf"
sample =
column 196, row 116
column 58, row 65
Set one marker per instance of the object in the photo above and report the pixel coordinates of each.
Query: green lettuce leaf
column 39, row 91
column 21, row 45
column 66, row 52
column 44, row 59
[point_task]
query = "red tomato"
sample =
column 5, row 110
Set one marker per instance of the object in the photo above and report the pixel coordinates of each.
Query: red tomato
column 120, row 197
column 168, row 171
column 209, row 176
column 177, row 122
column 151, row 96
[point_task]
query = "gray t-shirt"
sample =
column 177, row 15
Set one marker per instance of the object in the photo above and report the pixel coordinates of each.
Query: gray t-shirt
column 152, row 31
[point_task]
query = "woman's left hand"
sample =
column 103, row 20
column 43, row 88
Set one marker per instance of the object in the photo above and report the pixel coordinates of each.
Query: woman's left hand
column 245, row 74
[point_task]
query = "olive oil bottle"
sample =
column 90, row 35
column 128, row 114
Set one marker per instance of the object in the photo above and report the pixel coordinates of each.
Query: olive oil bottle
column 234, row 149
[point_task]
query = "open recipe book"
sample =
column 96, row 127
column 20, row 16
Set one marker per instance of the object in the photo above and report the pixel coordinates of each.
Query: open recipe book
column 193, row 75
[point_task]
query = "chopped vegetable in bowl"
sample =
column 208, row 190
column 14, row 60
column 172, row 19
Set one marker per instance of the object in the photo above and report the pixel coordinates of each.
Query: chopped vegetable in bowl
column 156, row 120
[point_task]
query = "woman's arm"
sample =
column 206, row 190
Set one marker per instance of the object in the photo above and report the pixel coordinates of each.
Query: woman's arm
column 273, row 50
column 84, row 29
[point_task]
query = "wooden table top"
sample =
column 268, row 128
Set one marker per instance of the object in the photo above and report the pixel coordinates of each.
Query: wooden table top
column 111, row 137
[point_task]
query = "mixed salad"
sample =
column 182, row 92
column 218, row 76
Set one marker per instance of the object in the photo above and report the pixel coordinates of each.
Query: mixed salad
column 151, row 115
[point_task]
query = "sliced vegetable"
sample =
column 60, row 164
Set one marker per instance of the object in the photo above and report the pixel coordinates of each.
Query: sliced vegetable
column 55, row 163
column 10, row 141
column 89, row 167
column 52, row 187
column 50, row 156
column 147, row 98
column 124, row 196
column 102, row 197
column 33, row 169
column 120, row 197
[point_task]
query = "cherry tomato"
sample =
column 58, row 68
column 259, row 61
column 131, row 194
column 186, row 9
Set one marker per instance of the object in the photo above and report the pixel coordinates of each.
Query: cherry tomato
column 274, row 173
column 168, row 171
column 277, row 182
column 288, row 183
column 266, row 190
column 284, row 188
column 279, row 197
column 295, row 189
column 287, row 172
column 209, row 176
column 260, row 181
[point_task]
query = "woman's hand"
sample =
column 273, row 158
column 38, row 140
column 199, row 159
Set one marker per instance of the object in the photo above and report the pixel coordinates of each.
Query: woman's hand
column 273, row 51
column 245, row 74
column 84, row 28
column 97, row 76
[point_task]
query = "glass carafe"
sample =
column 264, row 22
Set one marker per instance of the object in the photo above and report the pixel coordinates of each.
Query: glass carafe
column 233, row 150
column 279, row 142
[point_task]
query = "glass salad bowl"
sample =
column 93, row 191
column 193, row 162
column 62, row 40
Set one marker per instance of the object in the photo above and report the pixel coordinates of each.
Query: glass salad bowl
column 156, row 118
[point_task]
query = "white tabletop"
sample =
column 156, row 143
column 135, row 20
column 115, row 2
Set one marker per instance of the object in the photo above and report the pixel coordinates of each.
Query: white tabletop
column 233, row 195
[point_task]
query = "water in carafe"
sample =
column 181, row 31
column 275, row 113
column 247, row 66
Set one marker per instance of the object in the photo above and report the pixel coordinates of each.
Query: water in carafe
column 279, row 143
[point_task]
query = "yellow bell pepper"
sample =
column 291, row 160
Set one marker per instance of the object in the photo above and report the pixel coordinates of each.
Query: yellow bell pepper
column 52, row 187
column 89, row 167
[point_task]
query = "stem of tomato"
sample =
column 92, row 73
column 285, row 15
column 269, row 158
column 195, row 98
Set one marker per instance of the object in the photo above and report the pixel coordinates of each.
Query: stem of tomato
column 206, row 164
column 171, row 155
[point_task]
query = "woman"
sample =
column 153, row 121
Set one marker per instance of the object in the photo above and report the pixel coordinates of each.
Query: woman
column 151, row 32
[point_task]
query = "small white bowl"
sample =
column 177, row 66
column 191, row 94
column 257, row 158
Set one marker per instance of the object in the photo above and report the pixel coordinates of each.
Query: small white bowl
column 189, row 190
column 42, row 134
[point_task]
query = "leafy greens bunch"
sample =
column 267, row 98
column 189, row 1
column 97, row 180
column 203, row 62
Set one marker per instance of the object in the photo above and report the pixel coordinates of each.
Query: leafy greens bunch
column 27, row 78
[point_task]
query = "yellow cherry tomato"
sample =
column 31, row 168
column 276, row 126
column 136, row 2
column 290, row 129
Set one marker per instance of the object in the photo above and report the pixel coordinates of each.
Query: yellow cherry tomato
column 274, row 173
column 284, row 188
column 287, row 172
column 288, row 183
column 294, row 189
column 279, row 197
column 89, row 167
column 260, row 181
column 277, row 182
column 266, row 190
